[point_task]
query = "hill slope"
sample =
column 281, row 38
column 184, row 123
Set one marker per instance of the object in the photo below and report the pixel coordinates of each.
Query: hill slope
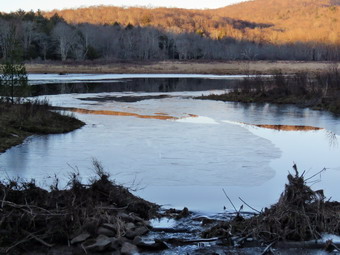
column 293, row 20
column 273, row 21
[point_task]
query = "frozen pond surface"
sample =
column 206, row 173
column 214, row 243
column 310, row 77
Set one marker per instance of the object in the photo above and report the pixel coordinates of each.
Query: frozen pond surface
column 185, row 160
column 76, row 78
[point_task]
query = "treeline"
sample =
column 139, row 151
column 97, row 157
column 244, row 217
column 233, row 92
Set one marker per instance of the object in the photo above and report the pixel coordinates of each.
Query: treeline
column 53, row 38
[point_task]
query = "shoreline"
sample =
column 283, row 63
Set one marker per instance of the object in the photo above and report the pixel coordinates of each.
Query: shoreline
column 18, row 123
column 179, row 67
column 297, row 89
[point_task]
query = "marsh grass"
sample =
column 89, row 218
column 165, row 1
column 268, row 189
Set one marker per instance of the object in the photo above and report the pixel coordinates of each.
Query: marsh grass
column 316, row 90
column 17, row 121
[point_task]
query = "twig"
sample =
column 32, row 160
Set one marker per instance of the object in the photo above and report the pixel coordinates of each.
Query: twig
column 230, row 200
column 17, row 243
column 324, row 169
column 249, row 205
column 177, row 241
column 111, row 208
column 268, row 248
column 4, row 198
column 39, row 239
column 84, row 249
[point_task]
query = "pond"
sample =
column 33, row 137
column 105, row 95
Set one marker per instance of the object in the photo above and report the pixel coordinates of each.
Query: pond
column 152, row 136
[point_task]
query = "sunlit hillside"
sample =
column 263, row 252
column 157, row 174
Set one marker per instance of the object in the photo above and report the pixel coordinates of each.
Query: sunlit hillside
column 170, row 19
column 293, row 20
column 273, row 21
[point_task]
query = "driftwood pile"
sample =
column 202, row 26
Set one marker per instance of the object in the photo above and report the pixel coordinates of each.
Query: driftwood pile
column 94, row 217
column 300, row 215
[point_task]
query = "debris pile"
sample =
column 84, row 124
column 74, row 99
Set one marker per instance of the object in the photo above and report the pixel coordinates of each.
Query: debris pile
column 95, row 217
column 301, row 214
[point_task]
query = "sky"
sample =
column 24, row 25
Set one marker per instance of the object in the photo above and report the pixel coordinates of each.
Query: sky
column 14, row 5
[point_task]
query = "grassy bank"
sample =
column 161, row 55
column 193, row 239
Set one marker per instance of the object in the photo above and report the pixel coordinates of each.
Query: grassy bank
column 18, row 121
column 181, row 67
column 316, row 90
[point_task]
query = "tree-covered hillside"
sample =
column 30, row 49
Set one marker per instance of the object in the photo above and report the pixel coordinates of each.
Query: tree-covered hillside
column 116, row 34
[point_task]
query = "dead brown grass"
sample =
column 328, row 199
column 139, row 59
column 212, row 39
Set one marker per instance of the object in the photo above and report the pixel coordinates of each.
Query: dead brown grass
column 171, row 67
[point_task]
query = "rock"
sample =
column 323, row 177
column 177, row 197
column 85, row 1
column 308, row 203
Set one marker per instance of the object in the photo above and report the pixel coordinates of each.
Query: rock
column 125, row 217
column 158, row 245
column 207, row 221
column 117, row 243
column 183, row 214
column 130, row 226
column 105, row 231
column 132, row 233
column 90, row 226
column 112, row 227
column 80, row 238
column 137, row 240
column 101, row 243
column 129, row 249
column 137, row 219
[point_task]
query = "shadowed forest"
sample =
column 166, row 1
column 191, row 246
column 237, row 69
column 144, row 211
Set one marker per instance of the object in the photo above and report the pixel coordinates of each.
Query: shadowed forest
column 305, row 30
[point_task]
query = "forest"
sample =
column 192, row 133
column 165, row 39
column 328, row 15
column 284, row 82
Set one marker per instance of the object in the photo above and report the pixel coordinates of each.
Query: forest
column 116, row 34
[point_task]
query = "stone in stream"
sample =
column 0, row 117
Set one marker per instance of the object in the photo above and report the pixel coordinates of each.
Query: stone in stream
column 157, row 245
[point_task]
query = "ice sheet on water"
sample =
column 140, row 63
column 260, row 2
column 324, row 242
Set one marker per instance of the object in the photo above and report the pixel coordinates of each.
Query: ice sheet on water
column 163, row 223
column 198, row 120
column 55, row 78
column 335, row 238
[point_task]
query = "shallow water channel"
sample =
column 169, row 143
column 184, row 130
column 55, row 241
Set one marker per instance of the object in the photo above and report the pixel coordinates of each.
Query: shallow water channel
column 150, row 135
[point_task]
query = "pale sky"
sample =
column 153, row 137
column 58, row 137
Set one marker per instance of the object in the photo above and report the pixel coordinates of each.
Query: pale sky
column 14, row 5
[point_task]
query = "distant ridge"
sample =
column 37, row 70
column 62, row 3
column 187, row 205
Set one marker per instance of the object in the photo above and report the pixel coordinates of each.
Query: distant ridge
column 267, row 21
column 293, row 20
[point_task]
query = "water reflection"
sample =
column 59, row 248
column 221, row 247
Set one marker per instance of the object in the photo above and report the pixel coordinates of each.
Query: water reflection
column 330, row 136
column 158, row 116
column 135, row 85
column 286, row 127
column 272, row 114
column 188, row 161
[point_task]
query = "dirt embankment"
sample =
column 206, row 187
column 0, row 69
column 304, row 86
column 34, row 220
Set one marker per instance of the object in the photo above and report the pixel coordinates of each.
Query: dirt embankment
column 180, row 67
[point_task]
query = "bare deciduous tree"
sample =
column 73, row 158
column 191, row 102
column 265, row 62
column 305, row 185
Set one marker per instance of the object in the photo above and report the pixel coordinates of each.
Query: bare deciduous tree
column 64, row 36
